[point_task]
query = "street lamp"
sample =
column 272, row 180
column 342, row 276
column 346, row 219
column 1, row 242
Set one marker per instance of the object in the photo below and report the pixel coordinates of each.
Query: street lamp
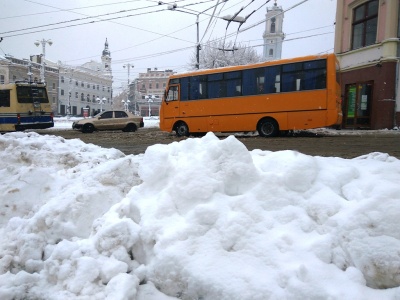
column 126, row 104
column 198, row 47
column 128, row 66
column 43, row 42
column 150, row 99
column 101, row 102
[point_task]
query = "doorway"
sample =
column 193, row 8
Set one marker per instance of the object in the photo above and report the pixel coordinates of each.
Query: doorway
column 358, row 105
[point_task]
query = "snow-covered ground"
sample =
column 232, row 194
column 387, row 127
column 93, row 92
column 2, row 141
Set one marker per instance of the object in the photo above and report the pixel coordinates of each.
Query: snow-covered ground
column 202, row 218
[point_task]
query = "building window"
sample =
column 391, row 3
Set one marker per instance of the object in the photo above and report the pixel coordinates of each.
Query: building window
column 2, row 78
column 82, row 97
column 273, row 25
column 62, row 92
column 76, row 95
column 271, row 52
column 365, row 24
column 157, row 85
column 54, row 99
column 62, row 79
column 88, row 86
column 76, row 83
column 97, row 87
column 54, row 86
column 82, row 84
column 88, row 98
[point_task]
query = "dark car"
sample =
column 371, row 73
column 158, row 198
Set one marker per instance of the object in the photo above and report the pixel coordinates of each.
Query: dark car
column 110, row 120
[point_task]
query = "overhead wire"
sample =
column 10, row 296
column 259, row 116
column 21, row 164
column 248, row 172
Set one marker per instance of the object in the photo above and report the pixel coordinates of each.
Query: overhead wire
column 63, row 10
column 181, row 49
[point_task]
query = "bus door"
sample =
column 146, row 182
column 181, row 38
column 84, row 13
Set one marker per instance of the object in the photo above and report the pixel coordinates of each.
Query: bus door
column 171, row 107
column 358, row 105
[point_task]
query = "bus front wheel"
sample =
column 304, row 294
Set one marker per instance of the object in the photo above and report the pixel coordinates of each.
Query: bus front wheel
column 268, row 127
column 182, row 129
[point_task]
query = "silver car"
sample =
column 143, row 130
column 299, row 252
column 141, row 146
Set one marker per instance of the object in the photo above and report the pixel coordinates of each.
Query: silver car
column 110, row 120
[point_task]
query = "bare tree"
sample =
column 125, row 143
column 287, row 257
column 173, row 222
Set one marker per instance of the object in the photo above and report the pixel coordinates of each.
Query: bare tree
column 216, row 54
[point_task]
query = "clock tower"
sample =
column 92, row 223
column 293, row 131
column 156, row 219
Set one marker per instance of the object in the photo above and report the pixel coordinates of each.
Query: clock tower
column 273, row 35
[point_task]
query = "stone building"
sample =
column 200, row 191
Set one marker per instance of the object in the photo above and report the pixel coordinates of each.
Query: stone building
column 14, row 69
column 367, row 46
column 86, row 89
column 147, row 90
column 72, row 90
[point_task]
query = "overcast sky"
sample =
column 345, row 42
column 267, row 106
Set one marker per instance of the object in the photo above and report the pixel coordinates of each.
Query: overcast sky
column 146, row 34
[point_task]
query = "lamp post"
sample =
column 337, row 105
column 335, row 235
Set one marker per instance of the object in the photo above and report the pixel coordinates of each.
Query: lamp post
column 128, row 66
column 126, row 104
column 101, row 102
column 150, row 99
column 198, row 47
column 69, row 105
column 43, row 42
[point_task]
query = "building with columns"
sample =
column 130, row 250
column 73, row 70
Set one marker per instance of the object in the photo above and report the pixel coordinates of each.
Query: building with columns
column 273, row 35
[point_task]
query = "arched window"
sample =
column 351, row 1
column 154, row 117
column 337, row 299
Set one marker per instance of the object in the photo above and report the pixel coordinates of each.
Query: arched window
column 273, row 25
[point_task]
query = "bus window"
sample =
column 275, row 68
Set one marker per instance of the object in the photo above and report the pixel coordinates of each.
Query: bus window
column 184, row 88
column 4, row 98
column 315, row 75
column 249, row 82
column 216, row 86
column 172, row 93
column 292, row 77
column 194, row 88
column 273, row 79
column 203, row 87
column 233, row 83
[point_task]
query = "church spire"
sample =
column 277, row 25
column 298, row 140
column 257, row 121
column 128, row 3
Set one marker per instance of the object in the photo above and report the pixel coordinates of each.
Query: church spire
column 106, row 58
column 106, row 51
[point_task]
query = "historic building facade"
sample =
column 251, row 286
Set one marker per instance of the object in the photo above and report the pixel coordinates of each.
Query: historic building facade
column 72, row 90
column 147, row 90
column 14, row 69
column 86, row 89
column 367, row 46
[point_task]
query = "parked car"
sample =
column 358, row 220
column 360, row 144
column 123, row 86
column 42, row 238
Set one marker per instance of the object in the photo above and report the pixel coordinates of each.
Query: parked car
column 109, row 120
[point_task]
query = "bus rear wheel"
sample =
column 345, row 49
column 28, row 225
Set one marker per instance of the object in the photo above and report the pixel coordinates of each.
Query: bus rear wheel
column 268, row 127
column 182, row 129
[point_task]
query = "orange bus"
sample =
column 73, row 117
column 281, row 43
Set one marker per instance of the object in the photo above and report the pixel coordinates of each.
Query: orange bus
column 269, row 97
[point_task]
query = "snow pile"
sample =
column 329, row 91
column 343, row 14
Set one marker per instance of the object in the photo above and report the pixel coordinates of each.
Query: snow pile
column 199, row 219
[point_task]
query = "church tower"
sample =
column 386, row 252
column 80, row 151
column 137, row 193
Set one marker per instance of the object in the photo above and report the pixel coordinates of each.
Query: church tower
column 106, row 59
column 273, row 35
